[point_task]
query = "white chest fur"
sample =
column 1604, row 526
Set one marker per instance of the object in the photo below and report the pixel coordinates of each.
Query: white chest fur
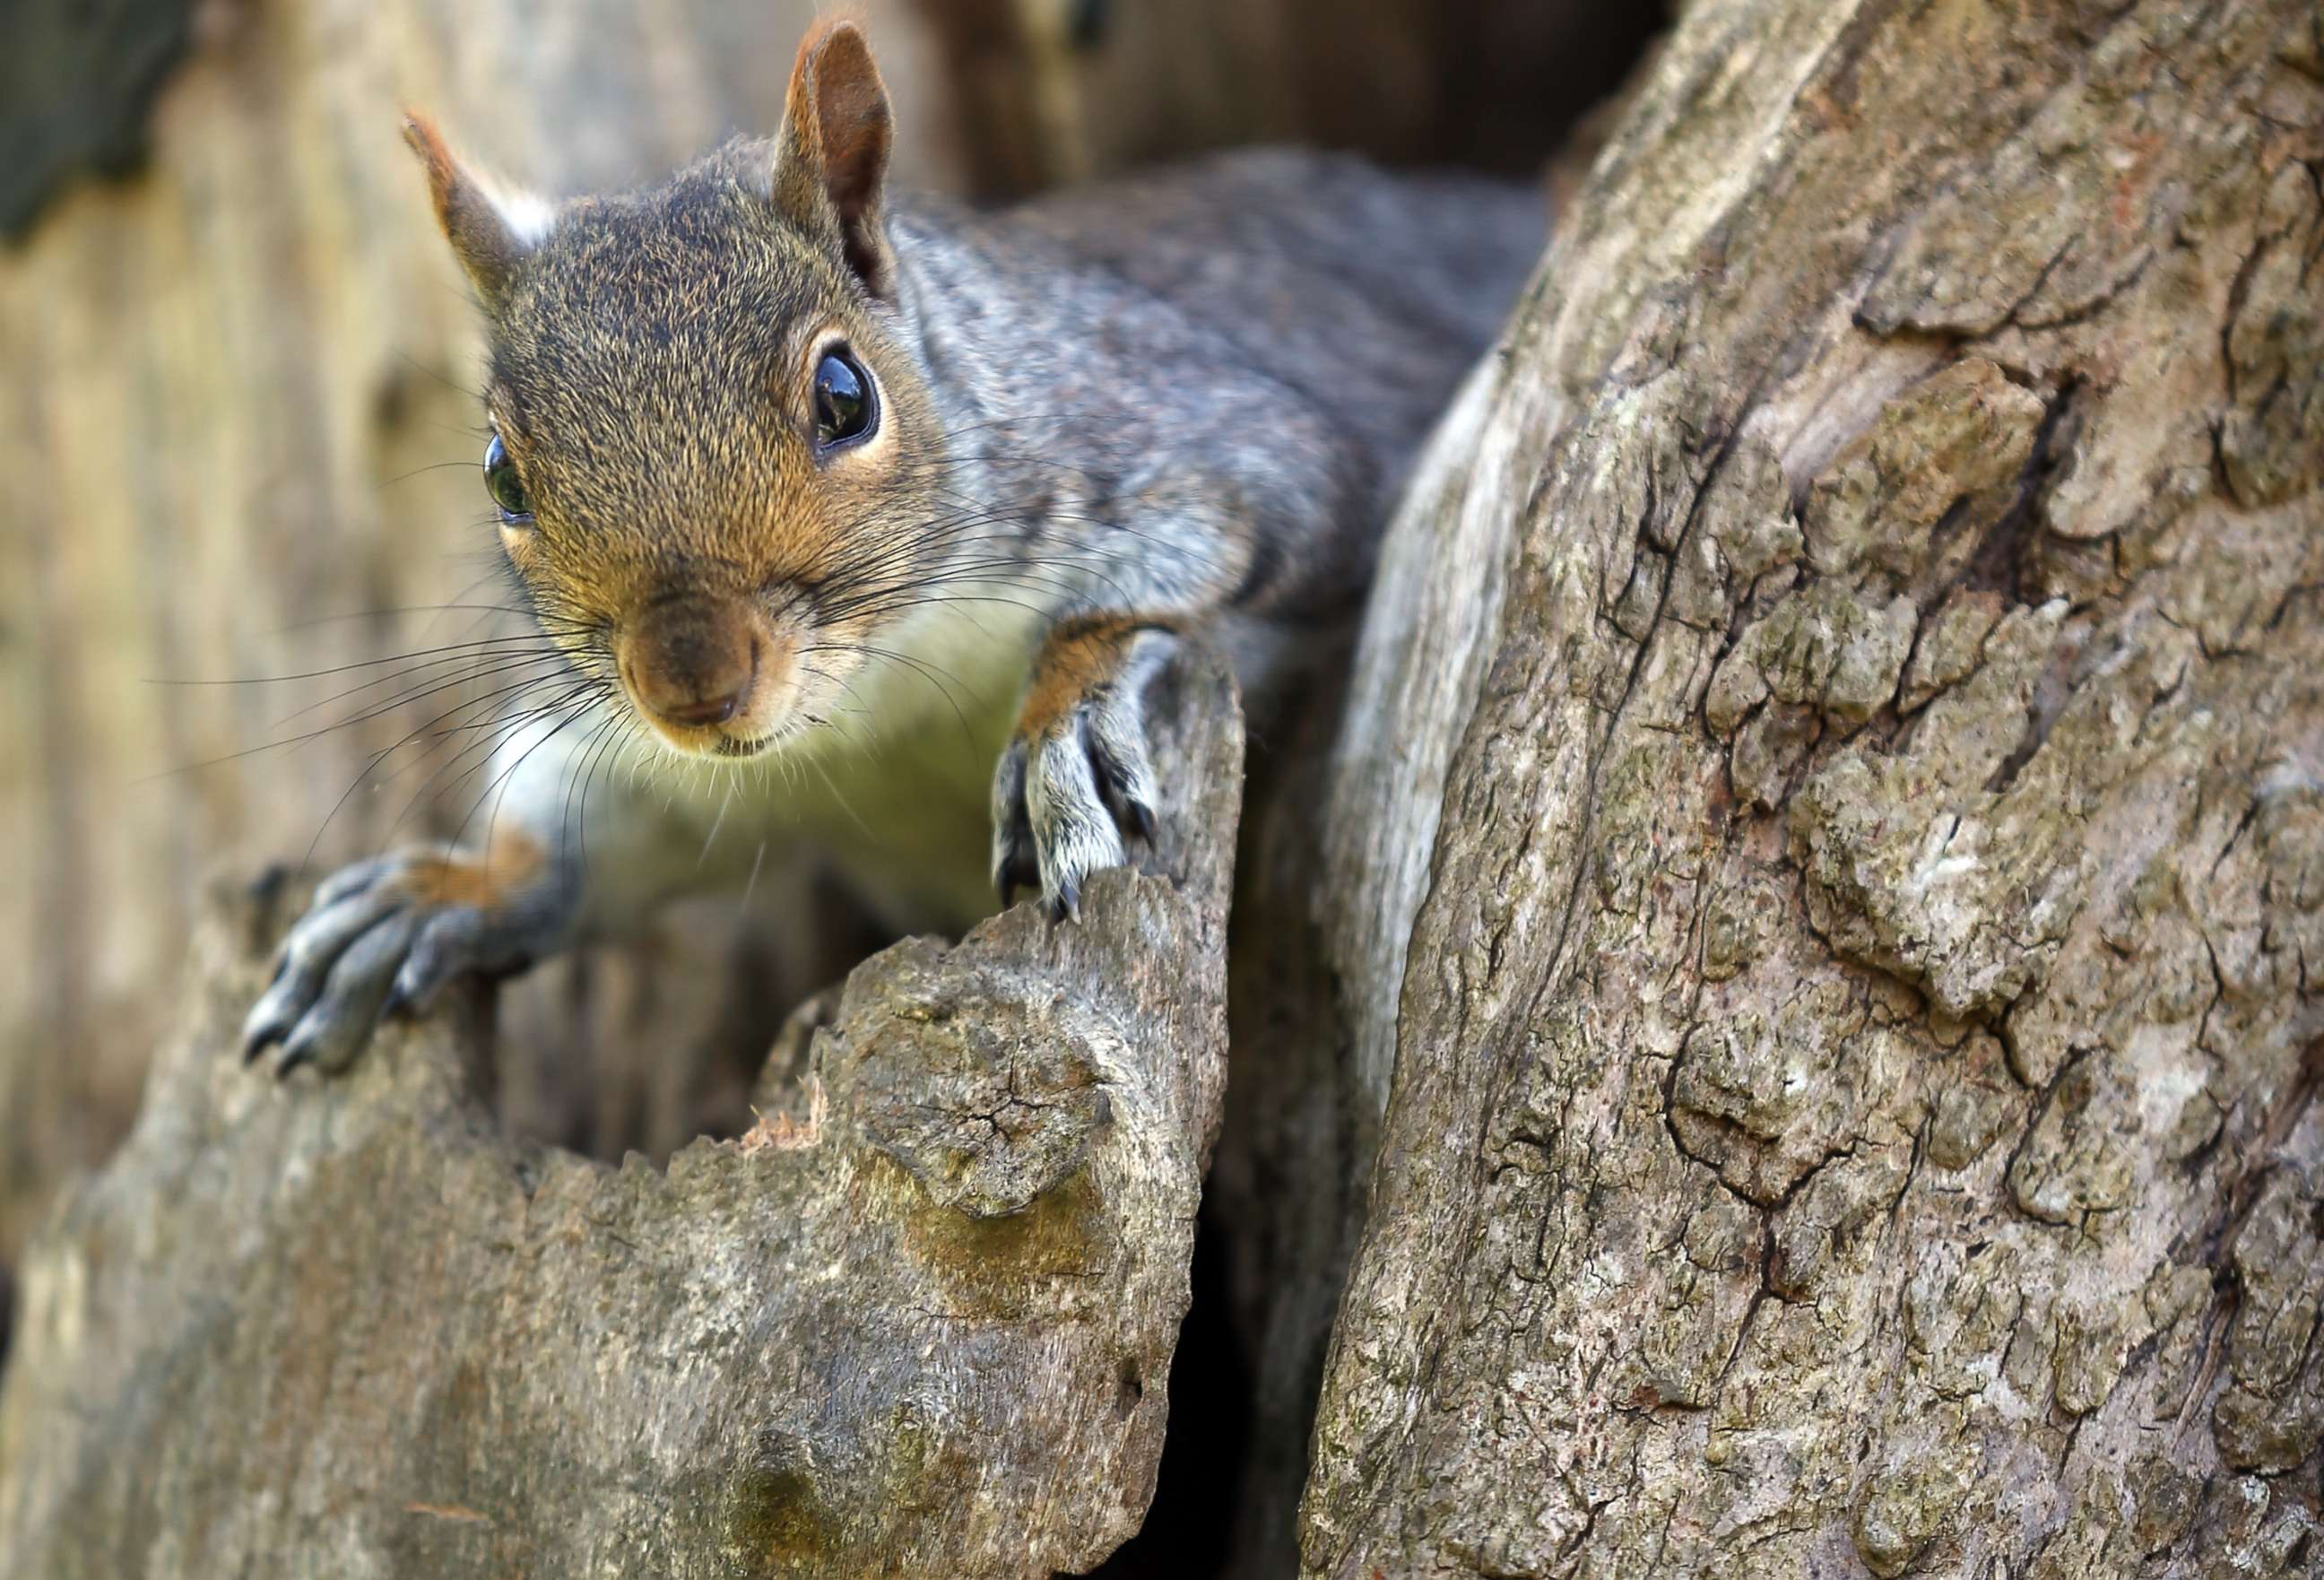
column 895, row 790
column 898, row 788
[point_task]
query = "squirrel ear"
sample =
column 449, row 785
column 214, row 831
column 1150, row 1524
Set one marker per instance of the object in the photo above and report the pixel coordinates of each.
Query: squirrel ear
column 832, row 157
column 491, row 230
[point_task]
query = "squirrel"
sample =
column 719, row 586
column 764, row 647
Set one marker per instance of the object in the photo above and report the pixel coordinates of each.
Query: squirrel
column 789, row 466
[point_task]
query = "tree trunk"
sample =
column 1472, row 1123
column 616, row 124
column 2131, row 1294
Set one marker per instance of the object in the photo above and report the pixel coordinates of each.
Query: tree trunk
column 1792, row 1044
column 1855, row 1061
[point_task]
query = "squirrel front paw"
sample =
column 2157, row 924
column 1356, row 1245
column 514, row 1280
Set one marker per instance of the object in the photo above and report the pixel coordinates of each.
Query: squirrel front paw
column 1077, row 776
column 384, row 935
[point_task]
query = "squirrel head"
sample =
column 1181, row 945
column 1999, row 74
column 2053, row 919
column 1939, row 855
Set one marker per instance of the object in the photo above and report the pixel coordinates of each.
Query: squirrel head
column 715, row 459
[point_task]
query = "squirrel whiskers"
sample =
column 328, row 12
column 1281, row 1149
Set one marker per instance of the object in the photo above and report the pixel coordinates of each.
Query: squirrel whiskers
column 792, row 470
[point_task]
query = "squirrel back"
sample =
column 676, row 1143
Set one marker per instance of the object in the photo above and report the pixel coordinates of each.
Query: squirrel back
column 1370, row 291
column 1289, row 323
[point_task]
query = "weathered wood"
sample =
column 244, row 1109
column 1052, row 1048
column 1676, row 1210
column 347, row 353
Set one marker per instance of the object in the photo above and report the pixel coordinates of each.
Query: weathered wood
column 1855, row 1063
column 919, row 1319
column 1324, row 907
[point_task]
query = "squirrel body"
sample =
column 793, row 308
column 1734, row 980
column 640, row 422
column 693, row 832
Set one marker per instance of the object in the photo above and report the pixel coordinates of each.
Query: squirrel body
column 837, row 498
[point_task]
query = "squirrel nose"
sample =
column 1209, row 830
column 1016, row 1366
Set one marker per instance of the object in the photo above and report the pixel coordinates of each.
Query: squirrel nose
column 690, row 661
column 705, row 710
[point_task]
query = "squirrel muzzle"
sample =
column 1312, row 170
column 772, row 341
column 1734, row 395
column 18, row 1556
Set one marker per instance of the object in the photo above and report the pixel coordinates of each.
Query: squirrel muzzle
column 706, row 672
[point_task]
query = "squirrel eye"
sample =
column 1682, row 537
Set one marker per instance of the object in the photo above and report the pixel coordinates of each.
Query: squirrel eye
column 845, row 406
column 504, row 486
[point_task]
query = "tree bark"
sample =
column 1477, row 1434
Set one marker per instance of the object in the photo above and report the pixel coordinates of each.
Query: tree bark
column 1854, row 1059
column 1797, row 1023
column 919, row 1319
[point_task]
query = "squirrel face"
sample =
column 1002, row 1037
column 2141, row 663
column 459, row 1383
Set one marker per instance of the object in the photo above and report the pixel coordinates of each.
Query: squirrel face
column 714, row 457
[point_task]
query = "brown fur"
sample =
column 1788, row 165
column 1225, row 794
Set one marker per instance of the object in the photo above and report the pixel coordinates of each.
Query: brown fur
column 472, row 222
column 1077, row 660
column 836, row 133
column 652, row 381
column 488, row 880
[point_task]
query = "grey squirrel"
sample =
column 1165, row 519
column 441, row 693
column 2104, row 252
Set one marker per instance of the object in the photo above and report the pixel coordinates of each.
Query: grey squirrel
column 800, row 477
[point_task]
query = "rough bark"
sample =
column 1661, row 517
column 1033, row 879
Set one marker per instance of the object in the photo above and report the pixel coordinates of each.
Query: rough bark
column 918, row 1319
column 1854, row 1060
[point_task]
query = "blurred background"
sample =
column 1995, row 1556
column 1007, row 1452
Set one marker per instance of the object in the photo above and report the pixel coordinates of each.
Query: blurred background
column 239, row 443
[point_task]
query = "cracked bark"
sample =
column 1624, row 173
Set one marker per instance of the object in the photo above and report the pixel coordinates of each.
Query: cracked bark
column 1855, row 1051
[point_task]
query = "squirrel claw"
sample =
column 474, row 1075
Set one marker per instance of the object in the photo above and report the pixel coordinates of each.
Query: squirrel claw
column 293, row 1055
column 1070, row 786
column 258, row 1040
column 382, row 937
column 1015, row 863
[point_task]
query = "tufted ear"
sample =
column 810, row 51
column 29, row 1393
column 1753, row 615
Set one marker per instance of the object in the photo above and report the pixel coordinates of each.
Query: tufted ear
column 491, row 230
column 832, row 158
